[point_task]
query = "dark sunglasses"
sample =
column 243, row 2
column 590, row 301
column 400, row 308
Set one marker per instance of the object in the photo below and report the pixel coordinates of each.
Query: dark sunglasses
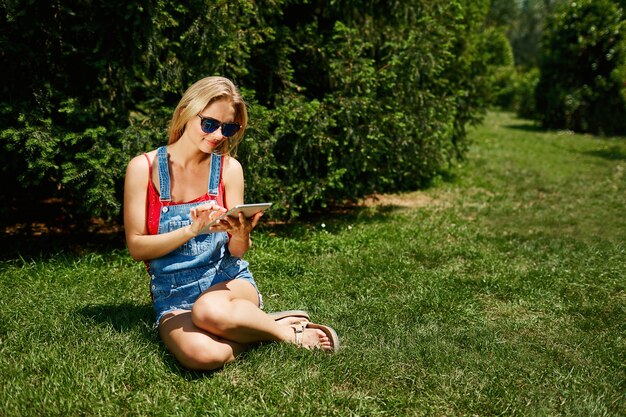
column 210, row 125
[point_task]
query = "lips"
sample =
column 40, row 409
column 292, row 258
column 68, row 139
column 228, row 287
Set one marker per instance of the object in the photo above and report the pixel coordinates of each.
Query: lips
column 212, row 142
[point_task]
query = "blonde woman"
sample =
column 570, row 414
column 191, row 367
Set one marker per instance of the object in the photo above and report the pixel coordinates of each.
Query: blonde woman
column 207, row 305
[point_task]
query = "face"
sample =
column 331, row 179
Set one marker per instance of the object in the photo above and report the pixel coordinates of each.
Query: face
column 220, row 110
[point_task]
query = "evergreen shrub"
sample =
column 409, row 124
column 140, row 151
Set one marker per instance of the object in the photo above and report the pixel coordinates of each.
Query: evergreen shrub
column 525, row 87
column 346, row 98
column 581, row 87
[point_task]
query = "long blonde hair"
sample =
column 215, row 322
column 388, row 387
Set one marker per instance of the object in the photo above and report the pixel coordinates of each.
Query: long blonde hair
column 197, row 97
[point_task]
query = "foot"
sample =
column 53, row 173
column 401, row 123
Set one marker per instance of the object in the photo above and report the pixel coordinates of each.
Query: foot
column 310, row 338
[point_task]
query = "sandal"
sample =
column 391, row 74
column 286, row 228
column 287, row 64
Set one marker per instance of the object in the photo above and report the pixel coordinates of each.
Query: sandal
column 329, row 331
column 289, row 313
column 299, row 331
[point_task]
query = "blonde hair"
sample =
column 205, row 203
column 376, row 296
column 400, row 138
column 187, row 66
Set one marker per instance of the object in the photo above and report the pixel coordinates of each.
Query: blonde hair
column 197, row 98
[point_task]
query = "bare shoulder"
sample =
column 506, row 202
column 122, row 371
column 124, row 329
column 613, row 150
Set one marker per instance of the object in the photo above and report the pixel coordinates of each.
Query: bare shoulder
column 232, row 167
column 232, row 176
column 140, row 163
column 138, row 170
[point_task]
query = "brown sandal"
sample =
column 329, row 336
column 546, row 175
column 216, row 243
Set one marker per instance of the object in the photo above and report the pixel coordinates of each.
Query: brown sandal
column 299, row 331
column 278, row 315
column 330, row 332
column 299, row 328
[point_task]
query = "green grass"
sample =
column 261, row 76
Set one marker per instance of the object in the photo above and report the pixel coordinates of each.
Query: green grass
column 500, row 292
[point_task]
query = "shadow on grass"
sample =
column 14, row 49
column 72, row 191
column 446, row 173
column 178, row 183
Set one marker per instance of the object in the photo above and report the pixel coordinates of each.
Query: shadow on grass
column 41, row 229
column 46, row 232
column 122, row 317
column 139, row 319
column 613, row 154
column 46, row 246
column 332, row 220
column 527, row 127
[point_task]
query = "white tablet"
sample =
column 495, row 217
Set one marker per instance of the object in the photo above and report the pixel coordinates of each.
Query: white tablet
column 248, row 210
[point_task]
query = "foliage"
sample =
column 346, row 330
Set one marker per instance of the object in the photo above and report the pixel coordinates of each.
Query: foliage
column 469, row 71
column 582, row 69
column 515, row 90
column 502, row 91
column 525, row 86
column 523, row 21
column 347, row 98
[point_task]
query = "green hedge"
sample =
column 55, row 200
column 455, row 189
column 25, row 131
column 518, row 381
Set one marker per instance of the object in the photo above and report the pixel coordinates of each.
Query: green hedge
column 346, row 98
column 582, row 86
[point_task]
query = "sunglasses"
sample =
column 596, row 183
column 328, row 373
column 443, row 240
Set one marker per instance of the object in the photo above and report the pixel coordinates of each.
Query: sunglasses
column 210, row 125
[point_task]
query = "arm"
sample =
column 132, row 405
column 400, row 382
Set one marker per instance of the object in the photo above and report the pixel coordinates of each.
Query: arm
column 239, row 229
column 141, row 245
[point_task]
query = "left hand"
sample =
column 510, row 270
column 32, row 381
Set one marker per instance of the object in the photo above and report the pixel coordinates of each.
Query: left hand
column 239, row 227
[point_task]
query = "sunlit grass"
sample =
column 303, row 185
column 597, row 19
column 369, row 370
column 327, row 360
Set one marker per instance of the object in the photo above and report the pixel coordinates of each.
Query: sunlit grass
column 500, row 292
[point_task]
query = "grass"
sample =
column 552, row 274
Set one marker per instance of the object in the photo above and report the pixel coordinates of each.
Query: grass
column 500, row 292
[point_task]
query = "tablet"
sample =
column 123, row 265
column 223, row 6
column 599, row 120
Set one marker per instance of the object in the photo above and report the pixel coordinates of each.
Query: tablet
column 248, row 210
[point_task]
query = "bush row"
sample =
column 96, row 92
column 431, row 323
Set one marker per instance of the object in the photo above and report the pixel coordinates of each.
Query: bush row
column 580, row 83
column 346, row 98
column 583, row 68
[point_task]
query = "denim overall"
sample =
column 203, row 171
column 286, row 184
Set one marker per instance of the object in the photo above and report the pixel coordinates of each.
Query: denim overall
column 180, row 277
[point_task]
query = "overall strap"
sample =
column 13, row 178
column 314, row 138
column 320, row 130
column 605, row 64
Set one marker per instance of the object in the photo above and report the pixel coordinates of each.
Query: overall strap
column 216, row 172
column 164, row 174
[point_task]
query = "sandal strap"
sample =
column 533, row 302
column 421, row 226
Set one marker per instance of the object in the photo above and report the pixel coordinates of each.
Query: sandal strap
column 298, row 330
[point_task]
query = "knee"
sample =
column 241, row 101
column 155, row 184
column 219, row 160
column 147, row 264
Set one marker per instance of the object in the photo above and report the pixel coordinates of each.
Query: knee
column 198, row 357
column 211, row 315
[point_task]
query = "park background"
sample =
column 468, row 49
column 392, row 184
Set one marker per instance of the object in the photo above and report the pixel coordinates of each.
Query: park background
column 346, row 98
column 509, row 293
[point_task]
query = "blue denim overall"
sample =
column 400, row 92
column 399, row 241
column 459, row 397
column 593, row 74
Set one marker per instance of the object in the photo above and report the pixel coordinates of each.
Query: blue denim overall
column 180, row 277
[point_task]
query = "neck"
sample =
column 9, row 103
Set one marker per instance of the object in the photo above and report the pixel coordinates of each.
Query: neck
column 186, row 155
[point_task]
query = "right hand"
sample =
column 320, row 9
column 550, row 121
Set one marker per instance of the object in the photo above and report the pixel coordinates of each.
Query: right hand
column 203, row 215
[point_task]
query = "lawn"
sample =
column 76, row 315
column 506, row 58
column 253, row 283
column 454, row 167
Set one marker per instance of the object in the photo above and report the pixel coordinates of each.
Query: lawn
column 498, row 291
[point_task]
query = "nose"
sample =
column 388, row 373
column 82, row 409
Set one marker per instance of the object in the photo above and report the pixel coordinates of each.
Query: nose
column 217, row 133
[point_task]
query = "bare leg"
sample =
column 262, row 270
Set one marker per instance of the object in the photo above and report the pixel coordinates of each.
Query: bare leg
column 230, row 311
column 195, row 348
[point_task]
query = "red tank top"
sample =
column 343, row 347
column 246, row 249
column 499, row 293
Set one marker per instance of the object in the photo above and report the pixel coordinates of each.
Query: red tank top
column 154, row 203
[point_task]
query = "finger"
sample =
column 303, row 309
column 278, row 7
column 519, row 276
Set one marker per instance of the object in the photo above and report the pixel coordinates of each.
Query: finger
column 219, row 227
column 204, row 208
column 212, row 206
column 255, row 219
column 209, row 205
column 227, row 222
column 242, row 219
column 217, row 211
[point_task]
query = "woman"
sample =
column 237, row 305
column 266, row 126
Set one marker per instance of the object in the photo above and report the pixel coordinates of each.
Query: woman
column 208, row 308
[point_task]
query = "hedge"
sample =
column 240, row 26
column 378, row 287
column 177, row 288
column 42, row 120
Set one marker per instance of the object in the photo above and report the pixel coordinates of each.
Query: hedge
column 346, row 98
